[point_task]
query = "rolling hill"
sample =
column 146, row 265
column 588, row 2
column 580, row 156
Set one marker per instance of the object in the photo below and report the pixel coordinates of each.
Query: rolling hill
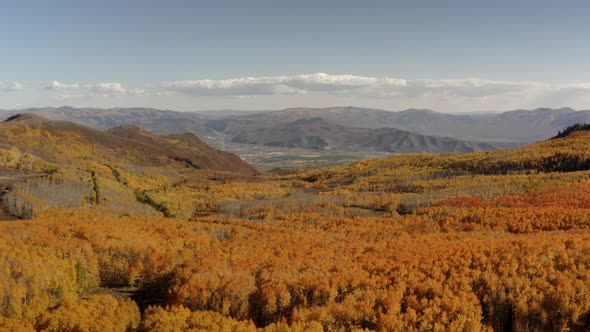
column 123, row 141
column 567, row 153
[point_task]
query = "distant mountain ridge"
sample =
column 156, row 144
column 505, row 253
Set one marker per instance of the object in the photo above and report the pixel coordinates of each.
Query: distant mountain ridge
column 154, row 120
column 366, row 128
column 317, row 133
column 522, row 126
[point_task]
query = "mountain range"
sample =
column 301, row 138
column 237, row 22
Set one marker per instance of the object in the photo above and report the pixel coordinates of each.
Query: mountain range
column 337, row 128
column 524, row 126
column 318, row 133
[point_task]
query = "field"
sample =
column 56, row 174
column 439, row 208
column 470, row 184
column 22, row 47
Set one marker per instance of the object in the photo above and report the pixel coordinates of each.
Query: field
column 272, row 158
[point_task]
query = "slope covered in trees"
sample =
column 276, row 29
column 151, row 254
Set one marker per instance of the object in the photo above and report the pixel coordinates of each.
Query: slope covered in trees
column 70, row 165
column 130, row 142
column 476, row 242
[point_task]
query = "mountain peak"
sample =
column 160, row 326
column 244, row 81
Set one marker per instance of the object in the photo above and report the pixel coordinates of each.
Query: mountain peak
column 553, row 110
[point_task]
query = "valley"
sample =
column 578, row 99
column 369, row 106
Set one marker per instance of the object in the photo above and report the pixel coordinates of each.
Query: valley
column 268, row 158
column 338, row 135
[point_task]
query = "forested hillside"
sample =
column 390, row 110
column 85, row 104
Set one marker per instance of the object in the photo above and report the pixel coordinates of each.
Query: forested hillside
column 157, row 240
column 62, row 164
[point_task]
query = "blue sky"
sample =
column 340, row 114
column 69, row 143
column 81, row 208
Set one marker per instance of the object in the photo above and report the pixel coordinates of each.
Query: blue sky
column 453, row 56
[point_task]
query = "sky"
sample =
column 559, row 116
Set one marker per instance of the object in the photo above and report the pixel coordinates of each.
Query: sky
column 449, row 56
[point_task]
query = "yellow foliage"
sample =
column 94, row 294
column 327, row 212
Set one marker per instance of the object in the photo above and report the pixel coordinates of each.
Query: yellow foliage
column 96, row 314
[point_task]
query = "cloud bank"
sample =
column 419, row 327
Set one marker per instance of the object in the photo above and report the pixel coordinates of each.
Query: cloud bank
column 349, row 86
column 89, row 91
column 371, row 87
column 284, row 85
column 319, row 90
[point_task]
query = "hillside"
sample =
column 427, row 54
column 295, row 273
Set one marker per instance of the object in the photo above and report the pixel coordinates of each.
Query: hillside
column 71, row 165
column 186, row 148
column 566, row 154
column 125, row 141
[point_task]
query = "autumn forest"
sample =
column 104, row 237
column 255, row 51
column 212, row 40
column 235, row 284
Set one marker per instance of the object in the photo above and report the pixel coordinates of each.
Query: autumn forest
column 124, row 230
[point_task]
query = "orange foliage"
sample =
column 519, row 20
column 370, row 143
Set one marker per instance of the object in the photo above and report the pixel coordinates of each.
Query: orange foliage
column 574, row 196
column 474, row 242
column 98, row 313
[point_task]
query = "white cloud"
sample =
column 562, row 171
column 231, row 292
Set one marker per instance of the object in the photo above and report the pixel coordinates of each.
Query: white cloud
column 89, row 91
column 351, row 85
column 463, row 93
column 282, row 85
column 109, row 88
column 246, row 86
column 325, row 82
column 55, row 85
column 11, row 87
column 367, row 87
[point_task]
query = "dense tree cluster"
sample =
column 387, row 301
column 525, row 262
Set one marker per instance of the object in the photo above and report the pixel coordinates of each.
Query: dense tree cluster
column 571, row 129
column 407, row 273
